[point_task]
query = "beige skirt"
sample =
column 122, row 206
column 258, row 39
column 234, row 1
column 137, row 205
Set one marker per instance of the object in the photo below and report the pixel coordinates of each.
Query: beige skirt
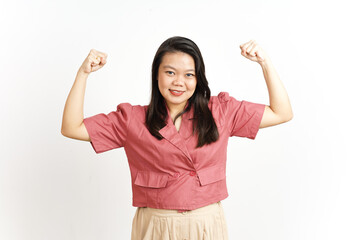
column 204, row 223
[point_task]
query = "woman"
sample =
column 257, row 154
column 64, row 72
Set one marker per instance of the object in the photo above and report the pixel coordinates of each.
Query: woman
column 176, row 146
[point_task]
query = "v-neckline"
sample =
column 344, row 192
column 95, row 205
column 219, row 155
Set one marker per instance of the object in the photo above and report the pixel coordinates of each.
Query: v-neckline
column 184, row 132
column 178, row 130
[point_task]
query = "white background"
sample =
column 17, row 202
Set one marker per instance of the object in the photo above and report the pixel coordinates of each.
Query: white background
column 297, row 180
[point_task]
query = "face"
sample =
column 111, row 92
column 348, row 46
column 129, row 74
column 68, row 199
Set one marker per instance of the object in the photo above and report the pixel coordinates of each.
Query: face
column 177, row 79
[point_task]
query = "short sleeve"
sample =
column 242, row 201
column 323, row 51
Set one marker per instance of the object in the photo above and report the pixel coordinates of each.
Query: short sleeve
column 109, row 131
column 243, row 117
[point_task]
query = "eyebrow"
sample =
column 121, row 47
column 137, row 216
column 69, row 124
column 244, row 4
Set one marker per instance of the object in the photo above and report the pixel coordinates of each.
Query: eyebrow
column 168, row 66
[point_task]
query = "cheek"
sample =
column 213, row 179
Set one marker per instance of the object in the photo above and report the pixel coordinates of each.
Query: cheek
column 161, row 89
column 193, row 85
column 161, row 83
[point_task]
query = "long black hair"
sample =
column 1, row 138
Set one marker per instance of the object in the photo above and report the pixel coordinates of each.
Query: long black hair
column 203, row 122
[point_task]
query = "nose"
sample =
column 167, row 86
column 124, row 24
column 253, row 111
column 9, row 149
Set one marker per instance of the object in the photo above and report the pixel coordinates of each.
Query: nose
column 178, row 81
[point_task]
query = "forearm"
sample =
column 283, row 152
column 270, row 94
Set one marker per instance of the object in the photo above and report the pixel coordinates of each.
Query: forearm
column 73, row 115
column 279, row 100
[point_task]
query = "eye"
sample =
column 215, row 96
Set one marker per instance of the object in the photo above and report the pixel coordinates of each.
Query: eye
column 169, row 72
column 189, row 74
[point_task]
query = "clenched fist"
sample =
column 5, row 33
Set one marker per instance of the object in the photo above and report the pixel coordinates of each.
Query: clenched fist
column 251, row 50
column 94, row 61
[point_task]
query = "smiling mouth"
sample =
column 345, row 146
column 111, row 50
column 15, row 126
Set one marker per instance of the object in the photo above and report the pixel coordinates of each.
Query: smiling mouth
column 176, row 93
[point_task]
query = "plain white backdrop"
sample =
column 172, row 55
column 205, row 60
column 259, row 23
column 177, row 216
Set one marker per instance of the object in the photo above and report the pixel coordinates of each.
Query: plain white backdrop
column 298, row 180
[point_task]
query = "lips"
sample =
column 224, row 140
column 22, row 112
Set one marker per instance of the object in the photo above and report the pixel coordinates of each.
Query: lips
column 176, row 92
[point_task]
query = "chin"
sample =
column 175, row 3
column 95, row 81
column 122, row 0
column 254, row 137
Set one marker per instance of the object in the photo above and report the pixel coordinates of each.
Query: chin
column 177, row 101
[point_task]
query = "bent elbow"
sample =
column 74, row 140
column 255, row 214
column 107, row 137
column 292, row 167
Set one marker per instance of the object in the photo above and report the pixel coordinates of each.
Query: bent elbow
column 63, row 132
column 289, row 117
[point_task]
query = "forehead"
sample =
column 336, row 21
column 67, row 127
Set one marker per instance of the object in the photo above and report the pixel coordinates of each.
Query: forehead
column 178, row 60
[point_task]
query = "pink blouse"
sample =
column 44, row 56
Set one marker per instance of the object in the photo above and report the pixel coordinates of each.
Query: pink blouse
column 171, row 173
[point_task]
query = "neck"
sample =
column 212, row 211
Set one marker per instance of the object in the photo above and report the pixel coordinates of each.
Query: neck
column 175, row 109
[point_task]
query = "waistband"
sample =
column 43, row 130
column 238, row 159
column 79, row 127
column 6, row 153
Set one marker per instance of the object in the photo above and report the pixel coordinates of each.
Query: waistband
column 170, row 212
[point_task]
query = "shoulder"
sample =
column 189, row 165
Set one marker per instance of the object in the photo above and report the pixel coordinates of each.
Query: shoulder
column 222, row 97
column 221, row 105
column 223, row 100
column 224, row 104
column 127, row 107
column 132, row 111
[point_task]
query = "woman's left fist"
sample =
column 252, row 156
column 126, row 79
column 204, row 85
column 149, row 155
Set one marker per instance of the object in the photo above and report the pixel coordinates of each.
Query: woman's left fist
column 251, row 50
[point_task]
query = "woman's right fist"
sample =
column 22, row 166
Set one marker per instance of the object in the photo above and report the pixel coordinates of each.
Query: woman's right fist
column 94, row 61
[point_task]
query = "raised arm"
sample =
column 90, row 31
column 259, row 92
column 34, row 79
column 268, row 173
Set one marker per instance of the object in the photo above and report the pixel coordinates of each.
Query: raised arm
column 279, row 110
column 73, row 115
